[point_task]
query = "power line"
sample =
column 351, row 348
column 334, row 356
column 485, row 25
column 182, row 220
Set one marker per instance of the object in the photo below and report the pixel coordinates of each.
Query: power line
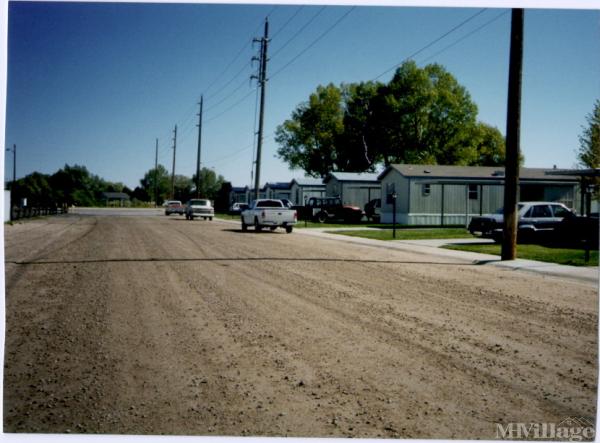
column 230, row 107
column 299, row 31
column 464, row 37
column 315, row 41
column 288, row 21
column 461, row 24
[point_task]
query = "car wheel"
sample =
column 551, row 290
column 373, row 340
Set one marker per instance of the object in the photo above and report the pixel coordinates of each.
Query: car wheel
column 289, row 229
column 257, row 226
column 209, row 218
column 322, row 217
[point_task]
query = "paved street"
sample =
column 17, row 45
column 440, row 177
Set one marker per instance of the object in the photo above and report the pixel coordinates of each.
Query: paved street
column 151, row 324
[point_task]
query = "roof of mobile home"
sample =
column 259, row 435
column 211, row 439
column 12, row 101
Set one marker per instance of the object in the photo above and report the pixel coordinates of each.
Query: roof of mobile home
column 472, row 172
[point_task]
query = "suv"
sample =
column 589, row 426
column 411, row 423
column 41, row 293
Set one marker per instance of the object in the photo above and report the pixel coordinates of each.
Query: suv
column 331, row 208
column 199, row 208
column 536, row 220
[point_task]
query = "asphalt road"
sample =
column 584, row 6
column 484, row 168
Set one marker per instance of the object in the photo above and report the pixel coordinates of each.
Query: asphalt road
column 158, row 325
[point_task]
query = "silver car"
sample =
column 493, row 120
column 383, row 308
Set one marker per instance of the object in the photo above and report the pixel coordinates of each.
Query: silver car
column 536, row 220
column 199, row 208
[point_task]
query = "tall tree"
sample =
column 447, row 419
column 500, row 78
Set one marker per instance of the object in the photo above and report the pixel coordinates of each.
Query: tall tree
column 423, row 115
column 309, row 140
column 589, row 141
column 157, row 179
column 210, row 183
column 357, row 150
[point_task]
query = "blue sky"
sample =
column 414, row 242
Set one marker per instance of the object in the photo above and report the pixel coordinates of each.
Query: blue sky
column 96, row 83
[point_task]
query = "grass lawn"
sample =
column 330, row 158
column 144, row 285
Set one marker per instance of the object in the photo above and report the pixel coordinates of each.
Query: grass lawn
column 561, row 256
column 408, row 234
column 226, row 216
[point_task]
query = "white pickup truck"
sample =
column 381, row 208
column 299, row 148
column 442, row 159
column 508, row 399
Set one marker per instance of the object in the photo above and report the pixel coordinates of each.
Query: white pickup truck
column 269, row 213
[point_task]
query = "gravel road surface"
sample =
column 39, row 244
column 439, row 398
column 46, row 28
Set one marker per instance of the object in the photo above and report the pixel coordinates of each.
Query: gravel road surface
column 158, row 325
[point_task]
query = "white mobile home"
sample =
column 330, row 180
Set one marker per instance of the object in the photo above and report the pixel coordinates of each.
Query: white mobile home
column 353, row 188
column 278, row 190
column 301, row 189
column 451, row 195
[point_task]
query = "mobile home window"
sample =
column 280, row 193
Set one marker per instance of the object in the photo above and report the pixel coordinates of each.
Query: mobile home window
column 426, row 189
column 473, row 192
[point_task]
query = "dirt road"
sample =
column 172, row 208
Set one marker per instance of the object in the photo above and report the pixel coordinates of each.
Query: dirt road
column 152, row 325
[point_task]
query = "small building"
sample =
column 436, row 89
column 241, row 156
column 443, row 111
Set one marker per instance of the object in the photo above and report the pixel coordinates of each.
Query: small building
column 116, row 198
column 239, row 194
column 278, row 190
column 353, row 188
column 451, row 195
column 301, row 189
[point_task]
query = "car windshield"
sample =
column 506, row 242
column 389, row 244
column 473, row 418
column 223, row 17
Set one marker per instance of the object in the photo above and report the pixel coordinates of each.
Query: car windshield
column 199, row 202
column 501, row 210
column 174, row 203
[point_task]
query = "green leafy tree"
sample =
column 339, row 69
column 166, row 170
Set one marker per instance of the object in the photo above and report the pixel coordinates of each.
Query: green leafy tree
column 160, row 178
column 36, row 189
column 74, row 185
column 589, row 141
column 183, row 187
column 309, row 140
column 489, row 148
column 423, row 115
column 357, row 150
column 210, row 183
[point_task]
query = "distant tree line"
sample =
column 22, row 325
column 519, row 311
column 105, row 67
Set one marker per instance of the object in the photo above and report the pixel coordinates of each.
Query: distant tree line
column 422, row 115
column 75, row 185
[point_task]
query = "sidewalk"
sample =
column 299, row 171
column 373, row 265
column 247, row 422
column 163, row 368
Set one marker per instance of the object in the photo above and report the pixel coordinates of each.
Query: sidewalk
column 587, row 274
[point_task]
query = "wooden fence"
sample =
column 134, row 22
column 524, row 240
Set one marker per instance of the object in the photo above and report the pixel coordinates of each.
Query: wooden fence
column 34, row 211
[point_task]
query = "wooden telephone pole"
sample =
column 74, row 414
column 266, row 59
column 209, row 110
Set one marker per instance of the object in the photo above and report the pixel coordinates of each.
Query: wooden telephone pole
column 262, row 79
column 199, row 147
column 513, row 132
column 173, row 173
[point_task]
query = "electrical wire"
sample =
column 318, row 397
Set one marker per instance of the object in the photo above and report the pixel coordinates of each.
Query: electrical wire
column 288, row 21
column 298, row 32
column 314, row 42
column 464, row 37
column 428, row 45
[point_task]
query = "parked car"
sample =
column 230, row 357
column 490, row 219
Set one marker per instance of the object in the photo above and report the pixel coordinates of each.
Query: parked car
column 199, row 208
column 577, row 231
column 537, row 221
column 373, row 210
column 322, row 209
column 174, row 207
column 237, row 208
column 269, row 213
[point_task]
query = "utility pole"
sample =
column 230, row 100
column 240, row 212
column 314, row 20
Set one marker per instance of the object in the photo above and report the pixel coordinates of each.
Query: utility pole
column 262, row 74
column 156, row 175
column 513, row 132
column 173, row 173
column 14, row 181
column 199, row 147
